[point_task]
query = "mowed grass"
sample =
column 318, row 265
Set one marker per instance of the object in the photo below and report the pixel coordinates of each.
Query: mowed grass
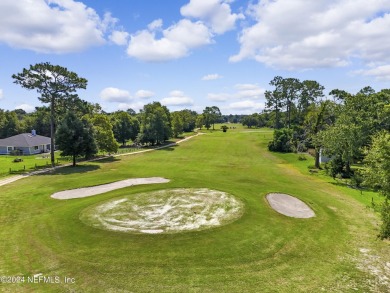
column 262, row 251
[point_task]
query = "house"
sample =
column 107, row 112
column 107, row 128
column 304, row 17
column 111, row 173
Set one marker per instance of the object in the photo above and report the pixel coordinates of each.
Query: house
column 25, row 143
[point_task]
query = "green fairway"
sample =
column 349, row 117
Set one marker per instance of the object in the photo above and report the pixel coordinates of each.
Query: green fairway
column 262, row 251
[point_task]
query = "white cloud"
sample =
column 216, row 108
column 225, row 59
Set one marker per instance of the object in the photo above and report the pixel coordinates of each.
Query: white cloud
column 119, row 37
column 216, row 13
column 212, row 76
column 248, row 105
column 243, row 91
column 176, row 42
column 111, row 94
column 136, row 106
column 249, row 91
column 26, row 107
column 144, row 94
column 55, row 26
column 220, row 97
column 177, row 98
column 1, row 94
column 379, row 72
column 155, row 25
column 304, row 34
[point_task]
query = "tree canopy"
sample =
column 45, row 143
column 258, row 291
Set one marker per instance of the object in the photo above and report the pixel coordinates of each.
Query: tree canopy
column 56, row 86
column 76, row 137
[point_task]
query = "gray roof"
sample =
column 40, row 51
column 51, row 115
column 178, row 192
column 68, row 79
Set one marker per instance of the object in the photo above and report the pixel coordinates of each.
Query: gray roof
column 25, row 140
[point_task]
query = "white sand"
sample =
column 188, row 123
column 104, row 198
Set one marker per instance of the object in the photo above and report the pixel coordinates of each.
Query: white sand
column 166, row 211
column 94, row 190
column 289, row 206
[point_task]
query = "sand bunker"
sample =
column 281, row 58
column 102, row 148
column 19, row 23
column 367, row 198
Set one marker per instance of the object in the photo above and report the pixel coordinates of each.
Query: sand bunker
column 165, row 211
column 289, row 206
column 94, row 190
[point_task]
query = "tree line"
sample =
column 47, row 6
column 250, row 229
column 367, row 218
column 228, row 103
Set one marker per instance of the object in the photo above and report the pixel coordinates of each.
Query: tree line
column 348, row 128
column 80, row 128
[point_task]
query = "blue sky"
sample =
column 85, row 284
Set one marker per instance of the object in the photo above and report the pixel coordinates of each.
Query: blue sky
column 194, row 53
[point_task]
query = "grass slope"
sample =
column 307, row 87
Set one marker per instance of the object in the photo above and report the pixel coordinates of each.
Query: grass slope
column 262, row 251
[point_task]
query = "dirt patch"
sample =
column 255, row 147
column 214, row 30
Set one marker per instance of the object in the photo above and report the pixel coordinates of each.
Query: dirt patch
column 94, row 190
column 165, row 211
column 377, row 267
column 289, row 206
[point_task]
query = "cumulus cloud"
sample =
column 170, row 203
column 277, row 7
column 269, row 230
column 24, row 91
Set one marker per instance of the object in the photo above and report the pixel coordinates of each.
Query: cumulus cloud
column 55, row 26
column 136, row 106
column 26, row 107
column 144, row 94
column 242, row 91
column 177, row 98
column 308, row 34
column 176, row 41
column 379, row 72
column 1, row 94
column 249, row 91
column 248, row 105
column 155, row 25
column 212, row 76
column 216, row 13
column 111, row 94
column 119, row 37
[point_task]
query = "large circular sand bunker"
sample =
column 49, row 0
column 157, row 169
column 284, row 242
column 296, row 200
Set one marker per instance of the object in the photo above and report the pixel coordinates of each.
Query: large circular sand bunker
column 165, row 211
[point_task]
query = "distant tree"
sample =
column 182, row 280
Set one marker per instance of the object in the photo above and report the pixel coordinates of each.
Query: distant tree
column 339, row 95
column 311, row 92
column 75, row 137
column 377, row 175
column 131, row 112
column 177, row 124
column 155, row 124
column 10, row 124
column 250, row 121
column 211, row 116
column 274, row 103
column 104, row 135
column 288, row 90
column 125, row 127
column 55, row 84
column 317, row 119
column 199, row 121
column 40, row 121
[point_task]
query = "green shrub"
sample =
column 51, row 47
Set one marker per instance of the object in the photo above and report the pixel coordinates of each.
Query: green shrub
column 282, row 141
column 385, row 215
column 302, row 158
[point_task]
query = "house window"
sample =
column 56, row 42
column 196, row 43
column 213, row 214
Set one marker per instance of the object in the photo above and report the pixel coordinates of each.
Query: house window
column 10, row 149
column 36, row 148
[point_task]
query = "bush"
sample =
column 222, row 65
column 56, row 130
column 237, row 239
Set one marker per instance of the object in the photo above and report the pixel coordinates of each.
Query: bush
column 302, row 158
column 17, row 160
column 356, row 179
column 385, row 215
column 335, row 167
column 282, row 141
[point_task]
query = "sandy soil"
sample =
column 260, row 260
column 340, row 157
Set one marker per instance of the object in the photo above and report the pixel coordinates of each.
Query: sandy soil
column 94, row 190
column 289, row 206
column 165, row 211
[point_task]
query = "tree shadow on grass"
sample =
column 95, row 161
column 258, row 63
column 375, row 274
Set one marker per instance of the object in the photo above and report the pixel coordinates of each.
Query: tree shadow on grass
column 108, row 160
column 168, row 148
column 68, row 170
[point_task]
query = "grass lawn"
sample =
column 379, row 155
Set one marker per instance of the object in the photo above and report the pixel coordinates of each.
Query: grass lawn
column 263, row 251
column 29, row 163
